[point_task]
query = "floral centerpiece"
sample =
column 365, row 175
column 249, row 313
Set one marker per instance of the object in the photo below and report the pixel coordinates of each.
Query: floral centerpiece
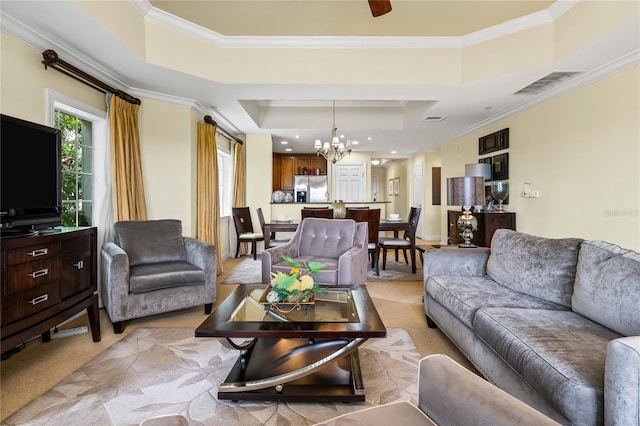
column 296, row 286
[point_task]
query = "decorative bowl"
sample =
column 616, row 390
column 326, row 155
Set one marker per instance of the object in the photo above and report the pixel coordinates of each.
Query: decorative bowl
column 278, row 197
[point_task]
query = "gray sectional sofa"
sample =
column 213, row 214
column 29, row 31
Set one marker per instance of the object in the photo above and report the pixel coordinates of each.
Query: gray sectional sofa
column 554, row 322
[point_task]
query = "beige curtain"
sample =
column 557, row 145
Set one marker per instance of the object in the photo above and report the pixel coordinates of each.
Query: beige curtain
column 208, row 198
column 126, row 167
column 239, row 194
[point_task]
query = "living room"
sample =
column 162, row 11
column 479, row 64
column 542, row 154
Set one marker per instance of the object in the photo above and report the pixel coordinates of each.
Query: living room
column 580, row 149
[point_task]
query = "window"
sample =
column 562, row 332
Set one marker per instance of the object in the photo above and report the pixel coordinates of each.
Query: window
column 77, row 169
column 86, row 194
column 225, row 185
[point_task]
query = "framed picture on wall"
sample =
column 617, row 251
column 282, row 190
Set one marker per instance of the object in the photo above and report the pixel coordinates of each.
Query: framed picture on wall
column 396, row 186
column 390, row 187
column 493, row 142
column 500, row 167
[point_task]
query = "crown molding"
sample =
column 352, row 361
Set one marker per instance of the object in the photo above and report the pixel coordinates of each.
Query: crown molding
column 360, row 42
column 619, row 64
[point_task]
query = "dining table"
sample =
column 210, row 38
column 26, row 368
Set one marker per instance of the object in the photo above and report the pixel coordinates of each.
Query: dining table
column 386, row 225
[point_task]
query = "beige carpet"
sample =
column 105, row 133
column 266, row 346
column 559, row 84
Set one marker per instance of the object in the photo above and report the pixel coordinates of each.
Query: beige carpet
column 40, row 366
column 161, row 371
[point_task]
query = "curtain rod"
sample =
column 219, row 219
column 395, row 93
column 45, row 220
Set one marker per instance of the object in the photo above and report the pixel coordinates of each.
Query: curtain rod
column 52, row 60
column 209, row 120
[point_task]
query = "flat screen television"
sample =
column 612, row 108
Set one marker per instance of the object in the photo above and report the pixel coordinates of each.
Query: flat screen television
column 30, row 173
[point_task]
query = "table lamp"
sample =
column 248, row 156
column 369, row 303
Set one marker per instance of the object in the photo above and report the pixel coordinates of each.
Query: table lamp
column 466, row 192
column 479, row 169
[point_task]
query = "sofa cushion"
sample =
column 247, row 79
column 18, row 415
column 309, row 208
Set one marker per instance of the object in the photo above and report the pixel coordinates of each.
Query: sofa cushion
column 154, row 276
column 462, row 296
column 150, row 241
column 541, row 267
column 328, row 238
column 607, row 288
column 560, row 354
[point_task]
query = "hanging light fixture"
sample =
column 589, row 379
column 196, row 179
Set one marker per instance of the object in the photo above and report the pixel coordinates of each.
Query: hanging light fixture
column 335, row 151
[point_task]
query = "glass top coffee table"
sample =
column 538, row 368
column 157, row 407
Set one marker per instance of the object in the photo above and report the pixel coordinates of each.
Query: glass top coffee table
column 295, row 353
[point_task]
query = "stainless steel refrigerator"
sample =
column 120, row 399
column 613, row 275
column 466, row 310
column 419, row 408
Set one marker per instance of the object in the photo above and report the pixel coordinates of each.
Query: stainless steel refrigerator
column 311, row 189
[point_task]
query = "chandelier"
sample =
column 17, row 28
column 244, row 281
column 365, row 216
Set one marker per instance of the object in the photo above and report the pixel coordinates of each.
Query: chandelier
column 335, row 151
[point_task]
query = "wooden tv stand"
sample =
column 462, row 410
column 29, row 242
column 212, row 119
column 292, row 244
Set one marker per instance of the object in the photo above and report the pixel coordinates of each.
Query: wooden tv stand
column 47, row 279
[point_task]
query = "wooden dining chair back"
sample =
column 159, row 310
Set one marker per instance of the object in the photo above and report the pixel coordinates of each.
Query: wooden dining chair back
column 325, row 213
column 273, row 241
column 404, row 243
column 244, row 230
column 372, row 218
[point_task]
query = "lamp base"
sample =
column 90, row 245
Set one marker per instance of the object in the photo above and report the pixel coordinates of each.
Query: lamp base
column 467, row 224
column 465, row 245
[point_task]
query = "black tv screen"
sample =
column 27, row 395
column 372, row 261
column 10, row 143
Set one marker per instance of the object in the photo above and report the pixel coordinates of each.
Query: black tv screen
column 30, row 171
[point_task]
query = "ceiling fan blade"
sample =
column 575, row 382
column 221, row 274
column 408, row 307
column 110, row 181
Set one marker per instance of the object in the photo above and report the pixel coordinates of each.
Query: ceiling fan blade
column 380, row 7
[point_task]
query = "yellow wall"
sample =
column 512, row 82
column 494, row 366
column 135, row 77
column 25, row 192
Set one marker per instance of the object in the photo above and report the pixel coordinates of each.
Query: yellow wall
column 581, row 151
column 24, row 81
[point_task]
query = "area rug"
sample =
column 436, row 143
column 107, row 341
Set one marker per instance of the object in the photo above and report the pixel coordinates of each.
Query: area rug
column 250, row 271
column 163, row 371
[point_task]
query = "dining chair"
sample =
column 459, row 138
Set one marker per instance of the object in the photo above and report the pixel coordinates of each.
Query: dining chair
column 244, row 230
column 321, row 212
column 404, row 243
column 372, row 218
column 273, row 242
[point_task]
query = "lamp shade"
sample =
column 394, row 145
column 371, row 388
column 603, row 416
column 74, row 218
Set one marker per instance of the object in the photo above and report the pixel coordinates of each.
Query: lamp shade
column 465, row 191
column 478, row 169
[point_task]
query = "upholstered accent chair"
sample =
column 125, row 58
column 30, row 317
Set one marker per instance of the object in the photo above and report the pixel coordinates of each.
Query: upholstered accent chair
column 396, row 243
column 341, row 244
column 372, row 218
column 244, row 230
column 150, row 268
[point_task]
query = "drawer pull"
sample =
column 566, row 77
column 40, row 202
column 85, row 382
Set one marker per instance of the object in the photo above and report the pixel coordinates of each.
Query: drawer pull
column 39, row 252
column 79, row 264
column 39, row 299
column 39, row 273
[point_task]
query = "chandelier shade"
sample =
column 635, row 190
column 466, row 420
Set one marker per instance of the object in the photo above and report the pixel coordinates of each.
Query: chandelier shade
column 336, row 150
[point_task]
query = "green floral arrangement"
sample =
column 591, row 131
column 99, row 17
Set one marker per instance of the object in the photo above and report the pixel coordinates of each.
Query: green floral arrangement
column 296, row 286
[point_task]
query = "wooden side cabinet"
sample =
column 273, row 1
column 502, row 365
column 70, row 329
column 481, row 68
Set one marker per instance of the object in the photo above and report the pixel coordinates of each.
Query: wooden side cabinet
column 47, row 279
column 487, row 225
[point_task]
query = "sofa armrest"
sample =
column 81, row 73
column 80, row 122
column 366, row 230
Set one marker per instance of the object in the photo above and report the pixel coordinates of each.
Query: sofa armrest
column 466, row 262
column 622, row 382
column 204, row 256
column 450, row 394
column 115, row 279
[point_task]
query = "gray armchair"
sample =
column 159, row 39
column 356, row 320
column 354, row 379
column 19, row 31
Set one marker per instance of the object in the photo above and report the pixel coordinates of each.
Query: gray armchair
column 341, row 244
column 151, row 268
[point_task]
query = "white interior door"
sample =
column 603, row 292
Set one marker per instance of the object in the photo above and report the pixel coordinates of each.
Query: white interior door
column 349, row 182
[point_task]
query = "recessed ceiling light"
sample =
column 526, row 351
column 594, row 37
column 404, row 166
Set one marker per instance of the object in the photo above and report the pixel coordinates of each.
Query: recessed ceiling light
column 394, row 152
column 284, row 142
column 355, row 142
column 375, row 162
column 288, row 150
column 297, row 136
column 369, row 138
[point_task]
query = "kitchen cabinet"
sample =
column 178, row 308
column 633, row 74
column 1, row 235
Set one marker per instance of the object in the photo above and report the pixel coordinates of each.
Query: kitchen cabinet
column 285, row 167
column 487, row 225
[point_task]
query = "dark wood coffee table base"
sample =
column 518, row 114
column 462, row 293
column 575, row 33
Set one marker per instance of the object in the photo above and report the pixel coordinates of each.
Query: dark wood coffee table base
column 303, row 370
